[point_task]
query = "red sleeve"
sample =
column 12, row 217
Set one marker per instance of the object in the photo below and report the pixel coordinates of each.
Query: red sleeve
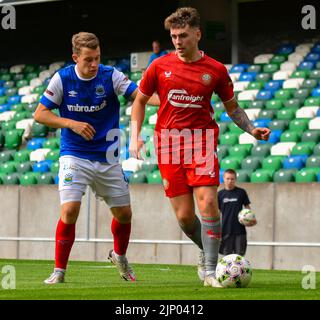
column 147, row 85
column 224, row 87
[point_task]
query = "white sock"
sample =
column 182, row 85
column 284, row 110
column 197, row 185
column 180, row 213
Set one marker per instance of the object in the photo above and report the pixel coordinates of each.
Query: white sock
column 60, row 270
column 119, row 257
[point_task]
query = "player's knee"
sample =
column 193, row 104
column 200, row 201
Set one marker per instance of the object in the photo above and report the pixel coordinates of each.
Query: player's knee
column 69, row 212
column 208, row 204
column 122, row 214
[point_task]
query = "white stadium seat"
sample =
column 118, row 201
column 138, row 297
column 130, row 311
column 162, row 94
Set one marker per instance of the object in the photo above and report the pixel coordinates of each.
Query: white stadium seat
column 247, row 95
column 252, row 113
column 36, row 82
column 128, row 111
column 17, row 68
column 281, row 75
column 25, row 90
column 307, row 112
column 282, row 148
column 45, row 74
column 295, row 57
column 288, row 66
column 30, row 98
column 234, row 76
column 39, row 154
column 240, row 85
column 7, row 115
column 263, row 58
column 314, row 123
column 246, row 138
column 131, row 164
column 25, row 124
column 153, row 119
column 293, row 83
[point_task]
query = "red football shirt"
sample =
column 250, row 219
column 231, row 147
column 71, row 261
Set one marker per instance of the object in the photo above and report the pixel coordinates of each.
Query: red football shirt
column 185, row 90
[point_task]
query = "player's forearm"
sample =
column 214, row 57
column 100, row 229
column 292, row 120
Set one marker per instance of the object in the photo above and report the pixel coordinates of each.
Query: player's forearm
column 240, row 118
column 137, row 117
column 48, row 118
column 154, row 100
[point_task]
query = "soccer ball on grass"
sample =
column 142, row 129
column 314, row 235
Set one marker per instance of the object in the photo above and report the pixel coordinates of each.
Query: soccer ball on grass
column 233, row 271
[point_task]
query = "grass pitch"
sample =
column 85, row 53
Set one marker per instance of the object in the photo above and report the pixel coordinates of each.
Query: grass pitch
column 101, row 281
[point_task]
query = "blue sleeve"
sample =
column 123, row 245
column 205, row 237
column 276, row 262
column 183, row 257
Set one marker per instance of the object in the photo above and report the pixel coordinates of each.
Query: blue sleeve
column 130, row 89
column 48, row 104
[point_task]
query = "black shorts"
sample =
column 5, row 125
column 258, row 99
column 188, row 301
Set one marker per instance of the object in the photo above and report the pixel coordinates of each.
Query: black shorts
column 233, row 243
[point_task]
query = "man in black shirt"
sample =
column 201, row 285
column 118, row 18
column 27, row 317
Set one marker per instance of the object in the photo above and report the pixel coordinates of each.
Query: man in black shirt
column 231, row 201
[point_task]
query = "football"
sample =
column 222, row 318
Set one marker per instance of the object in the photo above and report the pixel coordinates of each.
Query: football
column 233, row 271
column 247, row 217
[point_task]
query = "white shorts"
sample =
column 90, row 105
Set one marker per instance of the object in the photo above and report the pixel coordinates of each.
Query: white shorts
column 106, row 180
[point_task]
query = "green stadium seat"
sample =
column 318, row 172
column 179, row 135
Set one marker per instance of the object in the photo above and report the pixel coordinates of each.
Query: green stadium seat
column 45, row 178
column 11, row 179
column 274, row 104
column 3, row 99
column 8, row 84
column 306, row 175
column 261, row 150
column 278, row 59
column 290, row 136
column 261, row 176
column 149, row 166
column 54, row 167
column 19, row 107
column 243, row 104
column 284, row 175
column 300, row 74
column 278, row 125
column 272, row 163
column 217, row 114
column 8, row 125
column 1, row 139
column 256, row 85
column 313, row 101
column 124, row 120
column 286, row 114
column 283, row 94
column 11, row 92
column 222, row 151
column 31, row 75
column 233, row 128
column 21, row 115
column 230, row 162
column 251, row 163
column 299, row 125
column 303, row 148
column 53, row 155
column 52, row 143
column 311, row 136
column 13, row 138
column 313, row 162
column 39, row 130
column 8, row 167
column 39, row 90
column 135, row 76
column 5, row 77
column 22, row 83
column 243, row 175
column 229, row 139
column 270, row 68
column 23, row 167
column 239, row 150
column 29, row 178
column 154, row 177
column 30, row 107
column 6, row 155
column 138, row 177
column 22, row 155
column 292, row 103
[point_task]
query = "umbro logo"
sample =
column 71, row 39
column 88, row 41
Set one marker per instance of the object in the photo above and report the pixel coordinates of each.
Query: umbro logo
column 73, row 93
column 167, row 74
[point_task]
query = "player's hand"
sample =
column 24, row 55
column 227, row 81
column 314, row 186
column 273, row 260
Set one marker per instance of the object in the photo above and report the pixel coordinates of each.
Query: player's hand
column 261, row 133
column 135, row 148
column 84, row 129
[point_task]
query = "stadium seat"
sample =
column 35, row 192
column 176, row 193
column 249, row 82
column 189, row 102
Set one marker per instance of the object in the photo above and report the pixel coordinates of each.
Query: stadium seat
column 39, row 154
column 266, row 114
column 138, row 177
column 45, row 178
column 292, row 103
column 51, row 143
column 311, row 136
column 257, row 104
column 261, row 176
column 303, row 148
column 222, row 151
column 228, row 139
column 154, row 177
column 54, row 167
column 282, row 148
column 13, row 138
column 23, row 167
column 314, row 124
column 11, row 179
column 39, row 130
column 293, row 162
column 274, row 104
column 285, row 114
column 256, row 85
column 251, row 163
column 223, row 127
column 309, row 84
column 53, row 155
column 284, row 175
column 261, row 150
column 29, row 178
column 281, row 125
column 290, row 136
column 246, row 138
column 230, row 162
column 306, row 175
column 243, row 175
column 273, row 138
column 22, row 156
column 272, row 162
column 313, row 162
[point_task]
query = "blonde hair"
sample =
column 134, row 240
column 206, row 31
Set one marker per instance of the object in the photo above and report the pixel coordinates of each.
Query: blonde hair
column 84, row 40
column 183, row 17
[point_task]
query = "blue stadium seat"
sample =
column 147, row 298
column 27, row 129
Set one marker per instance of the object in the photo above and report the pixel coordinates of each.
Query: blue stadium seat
column 306, row 65
column 293, row 162
column 4, row 107
column 239, row 68
column 41, row 166
column 315, row 92
column 224, row 117
column 2, row 91
column 248, row 76
column 274, row 85
column 286, row 49
column 14, row 99
column 221, row 175
column 273, row 138
column 56, row 179
column 262, row 122
column 35, row 143
column 312, row 57
column 264, row 95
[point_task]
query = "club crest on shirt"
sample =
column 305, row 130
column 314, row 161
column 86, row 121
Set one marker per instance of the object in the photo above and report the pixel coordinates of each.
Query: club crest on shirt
column 206, row 78
column 167, row 74
column 100, row 90
column 68, row 179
